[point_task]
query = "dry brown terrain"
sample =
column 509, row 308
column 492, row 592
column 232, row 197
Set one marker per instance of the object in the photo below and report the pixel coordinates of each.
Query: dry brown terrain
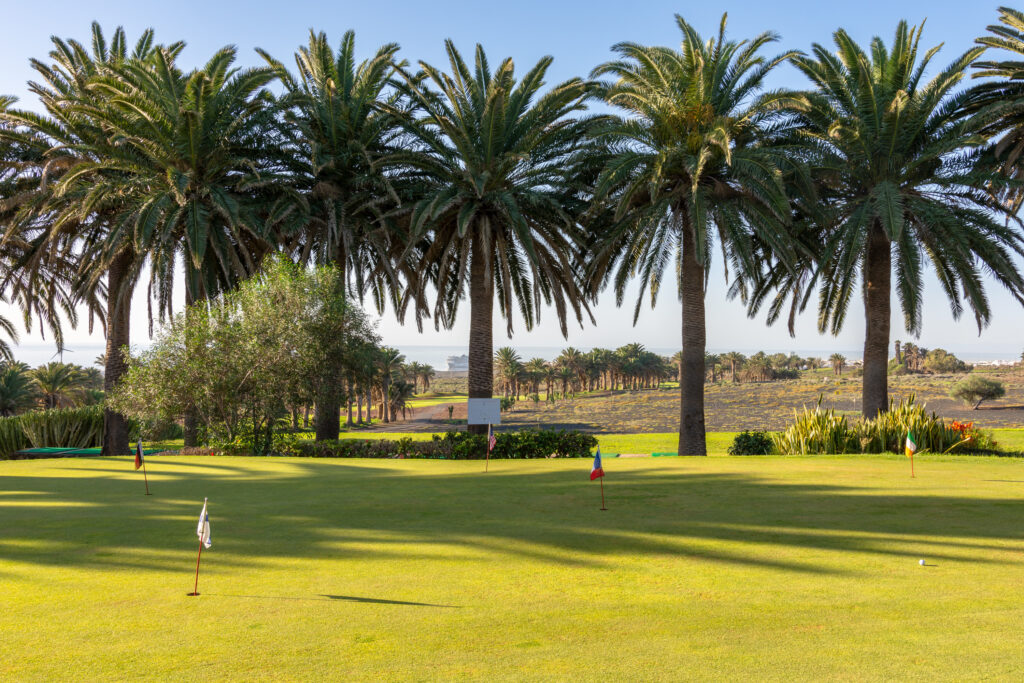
column 767, row 405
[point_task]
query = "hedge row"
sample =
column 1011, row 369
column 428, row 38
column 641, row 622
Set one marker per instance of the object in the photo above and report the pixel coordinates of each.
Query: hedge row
column 452, row 446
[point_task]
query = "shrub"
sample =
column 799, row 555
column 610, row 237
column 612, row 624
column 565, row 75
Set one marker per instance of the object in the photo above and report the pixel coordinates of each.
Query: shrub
column 943, row 362
column 67, row 428
column 12, row 436
column 823, row 432
column 451, row 446
column 976, row 389
column 818, row 431
column 752, row 443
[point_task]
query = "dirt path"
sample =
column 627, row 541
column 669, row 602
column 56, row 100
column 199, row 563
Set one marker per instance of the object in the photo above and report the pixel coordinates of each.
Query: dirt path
column 426, row 419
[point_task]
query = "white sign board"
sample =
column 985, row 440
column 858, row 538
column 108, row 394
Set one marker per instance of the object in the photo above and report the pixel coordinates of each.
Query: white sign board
column 484, row 411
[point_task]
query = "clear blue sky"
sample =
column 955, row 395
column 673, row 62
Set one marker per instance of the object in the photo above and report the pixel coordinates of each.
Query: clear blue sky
column 578, row 35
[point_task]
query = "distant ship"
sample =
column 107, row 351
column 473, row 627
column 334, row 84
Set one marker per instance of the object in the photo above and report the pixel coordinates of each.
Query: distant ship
column 458, row 363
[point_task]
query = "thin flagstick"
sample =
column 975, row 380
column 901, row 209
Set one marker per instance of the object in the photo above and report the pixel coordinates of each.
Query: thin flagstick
column 912, row 466
column 195, row 590
column 601, row 479
column 145, row 477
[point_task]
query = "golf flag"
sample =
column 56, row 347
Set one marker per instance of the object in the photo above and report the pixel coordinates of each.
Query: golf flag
column 597, row 470
column 911, row 445
column 203, row 530
column 491, row 440
column 138, row 454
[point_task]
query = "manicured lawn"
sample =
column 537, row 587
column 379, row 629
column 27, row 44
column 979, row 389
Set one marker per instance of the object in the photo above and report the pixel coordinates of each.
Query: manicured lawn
column 724, row 568
column 432, row 399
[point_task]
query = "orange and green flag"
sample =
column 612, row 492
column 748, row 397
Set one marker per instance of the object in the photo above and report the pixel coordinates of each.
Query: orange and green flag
column 911, row 445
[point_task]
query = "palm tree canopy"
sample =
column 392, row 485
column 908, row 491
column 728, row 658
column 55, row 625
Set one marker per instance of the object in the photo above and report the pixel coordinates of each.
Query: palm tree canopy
column 693, row 155
column 494, row 158
column 893, row 153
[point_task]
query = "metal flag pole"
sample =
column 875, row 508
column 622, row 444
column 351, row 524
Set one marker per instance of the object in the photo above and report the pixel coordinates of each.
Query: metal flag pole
column 601, row 479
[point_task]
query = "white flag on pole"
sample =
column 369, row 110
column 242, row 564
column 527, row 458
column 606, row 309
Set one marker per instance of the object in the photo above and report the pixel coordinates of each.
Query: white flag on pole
column 203, row 530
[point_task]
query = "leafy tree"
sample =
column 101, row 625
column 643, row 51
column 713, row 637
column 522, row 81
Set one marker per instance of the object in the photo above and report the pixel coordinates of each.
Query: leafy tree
column 975, row 389
column 494, row 156
column 691, row 163
column 239, row 356
column 904, row 177
column 942, row 361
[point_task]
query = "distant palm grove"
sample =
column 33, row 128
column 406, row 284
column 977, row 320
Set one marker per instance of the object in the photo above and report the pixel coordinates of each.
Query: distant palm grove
column 473, row 184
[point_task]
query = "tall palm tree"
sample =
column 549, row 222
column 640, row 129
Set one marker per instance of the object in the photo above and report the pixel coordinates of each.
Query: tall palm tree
column 690, row 164
column 74, row 211
column 838, row 361
column 342, row 127
column 495, row 156
column 537, row 368
column 905, row 178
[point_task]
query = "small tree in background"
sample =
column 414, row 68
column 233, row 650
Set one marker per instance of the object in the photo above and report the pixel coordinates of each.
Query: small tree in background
column 279, row 336
column 976, row 389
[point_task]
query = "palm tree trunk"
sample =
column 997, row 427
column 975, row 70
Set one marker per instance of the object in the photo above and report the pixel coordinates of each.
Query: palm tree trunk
column 691, row 377
column 115, row 425
column 481, row 314
column 194, row 292
column 877, row 304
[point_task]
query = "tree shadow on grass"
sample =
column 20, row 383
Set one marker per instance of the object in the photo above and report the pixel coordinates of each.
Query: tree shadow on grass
column 263, row 511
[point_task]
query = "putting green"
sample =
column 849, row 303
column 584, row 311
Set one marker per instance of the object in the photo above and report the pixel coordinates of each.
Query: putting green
column 726, row 568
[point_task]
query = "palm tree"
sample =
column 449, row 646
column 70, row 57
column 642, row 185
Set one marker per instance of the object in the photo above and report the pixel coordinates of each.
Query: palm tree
column 1000, row 101
column 904, row 177
column 426, row 374
column 342, row 130
column 17, row 389
column 58, row 383
column 733, row 358
column 70, row 217
column 389, row 362
column 537, row 369
column 690, row 160
column 838, row 361
column 506, row 365
column 495, row 156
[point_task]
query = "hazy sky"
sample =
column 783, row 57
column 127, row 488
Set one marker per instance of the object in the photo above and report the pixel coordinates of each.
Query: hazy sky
column 578, row 35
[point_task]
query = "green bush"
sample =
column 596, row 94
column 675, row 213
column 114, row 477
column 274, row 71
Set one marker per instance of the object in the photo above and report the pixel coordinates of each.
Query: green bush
column 975, row 389
column 66, row 428
column 752, row 443
column 821, row 431
column 12, row 436
column 815, row 432
column 452, row 446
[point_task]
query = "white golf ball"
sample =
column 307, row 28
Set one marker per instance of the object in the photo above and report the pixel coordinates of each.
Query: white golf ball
column 921, row 562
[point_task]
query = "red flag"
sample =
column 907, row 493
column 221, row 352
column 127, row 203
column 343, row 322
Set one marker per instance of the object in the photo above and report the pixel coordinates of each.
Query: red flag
column 491, row 440
column 138, row 454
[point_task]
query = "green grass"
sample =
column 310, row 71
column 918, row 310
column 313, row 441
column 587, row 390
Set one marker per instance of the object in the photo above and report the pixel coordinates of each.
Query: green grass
column 712, row 568
column 432, row 399
column 1008, row 440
